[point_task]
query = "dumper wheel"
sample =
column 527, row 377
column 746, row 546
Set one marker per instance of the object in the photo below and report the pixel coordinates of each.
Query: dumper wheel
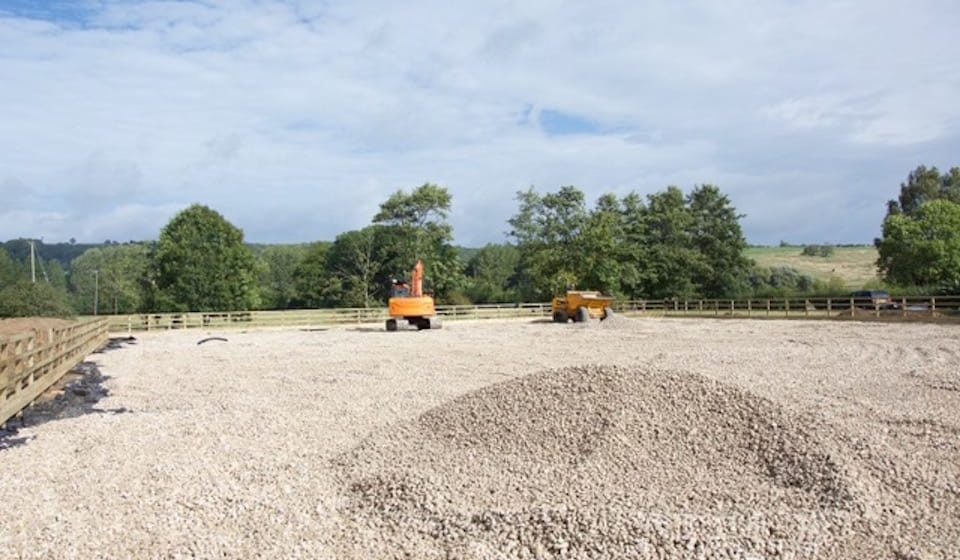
column 582, row 316
column 559, row 316
column 607, row 313
column 435, row 323
column 391, row 325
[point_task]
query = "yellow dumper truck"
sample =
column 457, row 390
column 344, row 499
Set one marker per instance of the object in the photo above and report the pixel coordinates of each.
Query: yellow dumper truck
column 581, row 306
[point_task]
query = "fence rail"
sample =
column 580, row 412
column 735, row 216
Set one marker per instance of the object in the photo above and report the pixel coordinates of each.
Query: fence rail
column 32, row 361
column 939, row 308
column 922, row 308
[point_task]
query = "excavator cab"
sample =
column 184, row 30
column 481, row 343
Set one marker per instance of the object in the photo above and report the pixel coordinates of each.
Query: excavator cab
column 399, row 289
column 409, row 303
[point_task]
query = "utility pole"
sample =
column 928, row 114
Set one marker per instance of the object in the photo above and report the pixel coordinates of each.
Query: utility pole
column 33, row 264
column 96, row 290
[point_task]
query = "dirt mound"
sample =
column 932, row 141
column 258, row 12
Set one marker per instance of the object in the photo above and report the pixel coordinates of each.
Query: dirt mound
column 597, row 463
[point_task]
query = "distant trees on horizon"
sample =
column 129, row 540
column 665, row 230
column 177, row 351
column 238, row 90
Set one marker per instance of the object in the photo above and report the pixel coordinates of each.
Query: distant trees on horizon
column 667, row 244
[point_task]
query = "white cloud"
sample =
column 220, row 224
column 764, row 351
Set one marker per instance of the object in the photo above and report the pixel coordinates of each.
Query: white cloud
column 296, row 119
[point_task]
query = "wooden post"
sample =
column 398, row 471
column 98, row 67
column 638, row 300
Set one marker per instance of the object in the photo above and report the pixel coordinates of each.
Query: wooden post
column 749, row 307
column 786, row 307
column 733, row 308
column 716, row 308
column 829, row 307
column 686, row 308
column 643, row 306
column 903, row 306
column 806, row 308
column 876, row 309
column 933, row 307
column 768, row 307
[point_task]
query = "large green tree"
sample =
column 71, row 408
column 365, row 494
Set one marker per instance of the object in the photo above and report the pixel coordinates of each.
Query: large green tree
column 313, row 285
column 672, row 245
column 491, row 274
column 547, row 228
column 922, row 248
column 353, row 263
column 923, row 185
column 415, row 227
column 718, row 237
column 276, row 273
column 674, row 267
column 200, row 263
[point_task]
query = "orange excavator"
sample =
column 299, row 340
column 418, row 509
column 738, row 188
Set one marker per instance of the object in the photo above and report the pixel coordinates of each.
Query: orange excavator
column 407, row 302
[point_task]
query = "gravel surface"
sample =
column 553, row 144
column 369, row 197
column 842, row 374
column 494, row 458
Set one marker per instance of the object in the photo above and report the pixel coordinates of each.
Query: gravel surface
column 506, row 439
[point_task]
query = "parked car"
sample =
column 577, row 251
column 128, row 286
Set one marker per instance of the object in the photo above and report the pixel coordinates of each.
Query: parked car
column 872, row 299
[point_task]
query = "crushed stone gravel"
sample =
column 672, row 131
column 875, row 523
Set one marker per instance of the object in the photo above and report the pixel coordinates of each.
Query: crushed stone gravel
column 505, row 439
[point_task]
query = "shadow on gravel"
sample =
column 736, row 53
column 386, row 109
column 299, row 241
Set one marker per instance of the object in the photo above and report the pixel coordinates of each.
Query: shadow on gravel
column 76, row 394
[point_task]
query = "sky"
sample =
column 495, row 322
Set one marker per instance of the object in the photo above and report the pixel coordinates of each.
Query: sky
column 296, row 119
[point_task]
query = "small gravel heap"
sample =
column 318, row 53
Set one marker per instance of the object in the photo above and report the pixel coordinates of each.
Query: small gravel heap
column 598, row 462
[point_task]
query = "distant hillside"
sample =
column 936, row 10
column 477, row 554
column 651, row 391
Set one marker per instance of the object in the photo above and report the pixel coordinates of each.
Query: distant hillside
column 19, row 250
column 856, row 265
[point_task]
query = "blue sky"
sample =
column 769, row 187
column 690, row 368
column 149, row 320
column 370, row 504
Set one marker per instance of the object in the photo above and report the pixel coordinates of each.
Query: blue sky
column 295, row 119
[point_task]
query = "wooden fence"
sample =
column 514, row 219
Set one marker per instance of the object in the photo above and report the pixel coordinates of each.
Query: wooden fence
column 32, row 361
column 926, row 308
column 921, row 308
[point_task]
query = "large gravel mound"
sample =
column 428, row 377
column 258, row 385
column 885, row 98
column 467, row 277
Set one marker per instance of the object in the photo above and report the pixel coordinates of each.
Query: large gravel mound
column 594, row 462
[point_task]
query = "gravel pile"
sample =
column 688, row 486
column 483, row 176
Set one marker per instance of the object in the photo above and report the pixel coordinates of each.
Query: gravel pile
column 599, row 462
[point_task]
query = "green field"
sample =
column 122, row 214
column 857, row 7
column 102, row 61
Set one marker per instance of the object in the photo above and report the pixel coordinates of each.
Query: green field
column 856, row 266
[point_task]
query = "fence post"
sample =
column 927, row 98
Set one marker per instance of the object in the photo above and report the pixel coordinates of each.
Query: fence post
column 716, row 308
column 829, row 307
column 933, row 307
column 786, row 307
column 806, row 308
column 686, row 308
column 749, row 308
column 733, row 308
column 768, row 307
column 903, row 306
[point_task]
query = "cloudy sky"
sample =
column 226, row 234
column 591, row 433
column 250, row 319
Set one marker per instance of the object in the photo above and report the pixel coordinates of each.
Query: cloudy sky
column 295, row 119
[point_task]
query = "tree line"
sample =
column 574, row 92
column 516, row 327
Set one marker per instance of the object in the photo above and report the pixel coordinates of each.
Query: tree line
column 663, row 245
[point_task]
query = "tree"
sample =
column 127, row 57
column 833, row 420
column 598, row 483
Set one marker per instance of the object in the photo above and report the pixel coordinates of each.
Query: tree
column 201, row 264
column 492, row 273
column 313, row 285
column 118, row 271
column 415, row 227
column 28, row 299
column 924, row 185
column 10, row 271
column 353, row 261
column 922, row 248
column 547, row 229
column 603, row 259
column 675, row 267
column 717, row 235
column 276, row 273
